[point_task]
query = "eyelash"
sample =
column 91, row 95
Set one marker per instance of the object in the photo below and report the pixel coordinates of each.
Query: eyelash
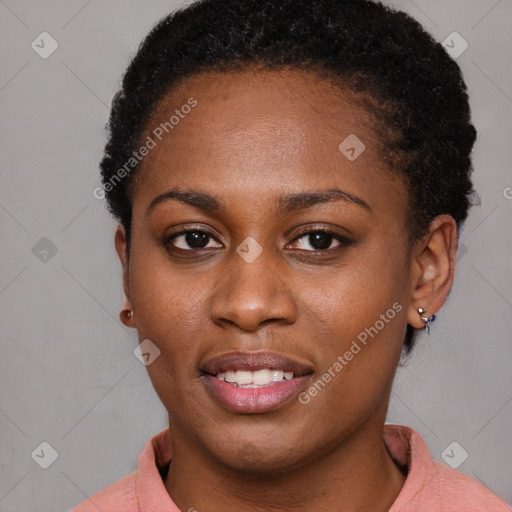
column 343, row 241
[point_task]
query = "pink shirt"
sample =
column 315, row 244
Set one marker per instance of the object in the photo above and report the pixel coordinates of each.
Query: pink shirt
column 430, row 486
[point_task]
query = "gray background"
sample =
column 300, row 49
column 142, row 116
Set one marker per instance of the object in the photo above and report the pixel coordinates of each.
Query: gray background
column 68, row 375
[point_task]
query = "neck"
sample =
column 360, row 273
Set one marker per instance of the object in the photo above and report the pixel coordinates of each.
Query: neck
column 355, row 475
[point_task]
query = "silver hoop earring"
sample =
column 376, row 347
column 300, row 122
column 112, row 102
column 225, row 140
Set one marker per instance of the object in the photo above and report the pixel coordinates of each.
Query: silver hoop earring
column 426, row 320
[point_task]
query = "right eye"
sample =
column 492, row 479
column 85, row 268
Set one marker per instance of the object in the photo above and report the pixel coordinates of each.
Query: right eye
column 190, row 240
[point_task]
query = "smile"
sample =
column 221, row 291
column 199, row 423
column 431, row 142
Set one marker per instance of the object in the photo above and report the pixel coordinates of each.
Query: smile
column 254, row 382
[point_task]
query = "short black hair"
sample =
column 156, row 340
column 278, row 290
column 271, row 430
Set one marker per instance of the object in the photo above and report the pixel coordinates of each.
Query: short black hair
column 407, row 81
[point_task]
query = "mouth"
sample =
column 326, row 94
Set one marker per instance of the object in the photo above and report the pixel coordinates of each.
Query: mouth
column 254, row 382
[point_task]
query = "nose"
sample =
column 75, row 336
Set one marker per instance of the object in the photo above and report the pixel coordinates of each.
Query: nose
column 252, row 294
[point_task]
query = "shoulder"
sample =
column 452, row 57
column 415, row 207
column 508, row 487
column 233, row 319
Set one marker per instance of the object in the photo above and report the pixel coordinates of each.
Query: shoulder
column 457, row 491
column 432, row 486
column 120, row 496
column 141, row 490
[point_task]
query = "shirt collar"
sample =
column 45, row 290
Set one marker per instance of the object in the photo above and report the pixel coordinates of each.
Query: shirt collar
column 405, row 446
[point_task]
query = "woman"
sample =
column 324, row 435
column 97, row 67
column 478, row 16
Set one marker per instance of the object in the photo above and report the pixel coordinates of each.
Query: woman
column 290, row 178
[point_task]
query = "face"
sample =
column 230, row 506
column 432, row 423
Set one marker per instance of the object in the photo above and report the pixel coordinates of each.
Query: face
column 277, row 254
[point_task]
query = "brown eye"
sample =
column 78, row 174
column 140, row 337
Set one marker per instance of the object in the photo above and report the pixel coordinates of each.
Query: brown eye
column 190, row 240
column 319, row 240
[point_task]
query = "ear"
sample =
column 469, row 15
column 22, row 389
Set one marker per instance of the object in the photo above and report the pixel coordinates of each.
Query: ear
column 121, row 249
column 433, row 269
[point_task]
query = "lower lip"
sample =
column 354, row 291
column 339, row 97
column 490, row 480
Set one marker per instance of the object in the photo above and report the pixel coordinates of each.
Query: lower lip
column 254, row 400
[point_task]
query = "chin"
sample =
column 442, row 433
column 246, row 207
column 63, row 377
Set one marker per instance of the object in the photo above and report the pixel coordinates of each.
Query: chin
column 261, row 459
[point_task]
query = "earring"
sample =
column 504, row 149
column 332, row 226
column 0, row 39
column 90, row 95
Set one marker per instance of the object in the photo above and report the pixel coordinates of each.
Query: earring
column 426, row 320
column 125, row 314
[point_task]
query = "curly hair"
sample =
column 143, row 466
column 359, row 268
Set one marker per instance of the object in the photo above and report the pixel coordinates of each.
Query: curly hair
column 406, row 80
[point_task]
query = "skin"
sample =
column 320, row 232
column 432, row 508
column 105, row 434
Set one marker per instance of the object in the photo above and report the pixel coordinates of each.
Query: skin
column 252, row 138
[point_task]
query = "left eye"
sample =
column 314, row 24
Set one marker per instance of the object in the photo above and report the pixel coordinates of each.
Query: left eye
column 187, row 240
column 318, row 241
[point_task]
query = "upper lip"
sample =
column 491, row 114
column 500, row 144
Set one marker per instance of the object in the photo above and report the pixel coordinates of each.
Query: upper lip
column 253, row 361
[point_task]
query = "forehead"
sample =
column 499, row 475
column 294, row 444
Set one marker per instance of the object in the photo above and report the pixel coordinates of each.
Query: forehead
column 286, row 129
column 291, row 106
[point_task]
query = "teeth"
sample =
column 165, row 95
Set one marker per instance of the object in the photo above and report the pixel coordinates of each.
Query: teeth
column 230, row 377
column 243, row 377
column 277, row 375
column 259, row 378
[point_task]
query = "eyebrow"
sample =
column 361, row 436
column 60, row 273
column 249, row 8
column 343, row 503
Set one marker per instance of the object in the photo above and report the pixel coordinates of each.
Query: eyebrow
column 197, row 199
column 286, row 204
column 305, row 200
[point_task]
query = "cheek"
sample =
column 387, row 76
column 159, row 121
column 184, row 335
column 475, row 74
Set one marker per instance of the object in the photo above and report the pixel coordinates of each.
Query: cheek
column 352, row 298
column 359, row 316
column 170, row 310
column 163, row 295
column 173, row 319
